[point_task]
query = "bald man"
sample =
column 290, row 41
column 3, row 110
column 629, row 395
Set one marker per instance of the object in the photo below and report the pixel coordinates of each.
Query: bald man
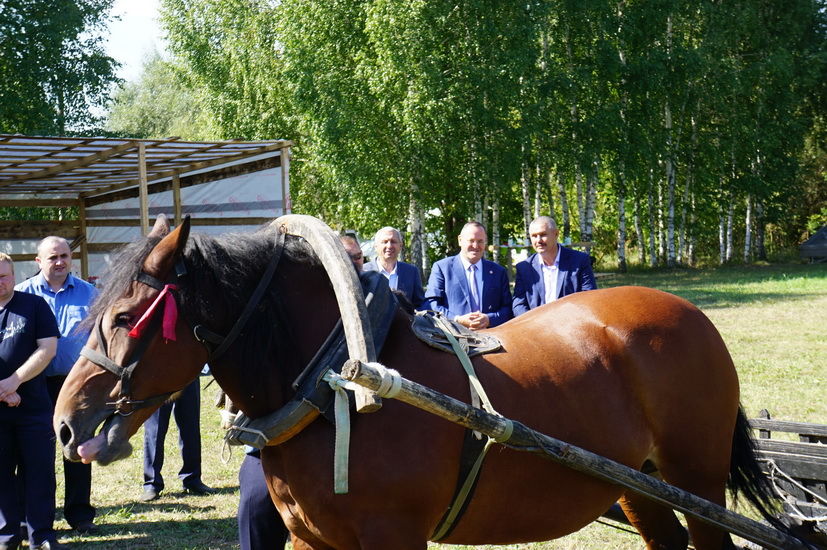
column 69, row 298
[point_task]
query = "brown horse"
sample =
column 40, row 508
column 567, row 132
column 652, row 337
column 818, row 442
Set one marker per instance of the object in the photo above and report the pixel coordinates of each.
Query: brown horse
column 636, row 375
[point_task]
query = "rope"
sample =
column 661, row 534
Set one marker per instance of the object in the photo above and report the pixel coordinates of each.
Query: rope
column 391, row 381
column 797, row 513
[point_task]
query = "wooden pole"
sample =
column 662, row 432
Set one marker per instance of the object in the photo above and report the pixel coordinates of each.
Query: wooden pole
column 286, row 207
column 84, row 250
column 176, row 198
column 526, row 439
column 143, row 193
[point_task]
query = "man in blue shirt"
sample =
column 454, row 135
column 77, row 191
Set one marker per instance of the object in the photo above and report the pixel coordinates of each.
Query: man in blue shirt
column 28, row 340
column 467, row 288
column 69, row 298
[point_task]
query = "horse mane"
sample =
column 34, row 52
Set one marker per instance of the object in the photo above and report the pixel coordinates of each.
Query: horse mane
column 222, row 273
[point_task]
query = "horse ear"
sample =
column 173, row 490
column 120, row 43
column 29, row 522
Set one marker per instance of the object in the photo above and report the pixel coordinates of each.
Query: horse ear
column 163, row 256
column 161, row 227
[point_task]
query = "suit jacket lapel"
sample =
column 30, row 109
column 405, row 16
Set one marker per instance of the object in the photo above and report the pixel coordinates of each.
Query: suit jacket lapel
column 562, row 269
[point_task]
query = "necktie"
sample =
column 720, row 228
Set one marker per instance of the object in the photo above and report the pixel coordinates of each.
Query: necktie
column 472, row 284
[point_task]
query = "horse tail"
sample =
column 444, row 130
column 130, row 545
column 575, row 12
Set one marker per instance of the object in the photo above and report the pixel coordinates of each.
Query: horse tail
column 746, row 477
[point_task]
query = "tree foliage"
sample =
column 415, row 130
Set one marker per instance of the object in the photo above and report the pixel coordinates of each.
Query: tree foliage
column 55, row 73
column 675, row 128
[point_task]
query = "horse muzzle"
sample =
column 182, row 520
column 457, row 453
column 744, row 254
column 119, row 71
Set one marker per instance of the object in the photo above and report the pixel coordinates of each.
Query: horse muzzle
column 80, row 444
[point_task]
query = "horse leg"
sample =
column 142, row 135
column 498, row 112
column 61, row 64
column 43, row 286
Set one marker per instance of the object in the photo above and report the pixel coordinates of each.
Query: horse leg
column 709, row 485
column 657, row 524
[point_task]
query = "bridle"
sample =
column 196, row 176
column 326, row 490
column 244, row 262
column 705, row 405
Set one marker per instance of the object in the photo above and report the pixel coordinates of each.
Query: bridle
column 216, row 344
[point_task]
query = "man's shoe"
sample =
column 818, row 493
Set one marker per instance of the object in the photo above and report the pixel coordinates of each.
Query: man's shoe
column 13, row 544
column 150, row 494
column 198, row 488
column 87, row 528
column 50, row 545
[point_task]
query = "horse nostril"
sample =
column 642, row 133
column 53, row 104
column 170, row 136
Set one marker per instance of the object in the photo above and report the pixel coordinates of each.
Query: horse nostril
column 65, row 434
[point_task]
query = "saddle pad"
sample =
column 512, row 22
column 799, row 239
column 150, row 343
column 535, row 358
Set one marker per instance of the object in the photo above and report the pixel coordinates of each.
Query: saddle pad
column 425, row 327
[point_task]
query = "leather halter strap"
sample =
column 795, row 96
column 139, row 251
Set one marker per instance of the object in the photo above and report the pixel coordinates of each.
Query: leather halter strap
column 125, row 405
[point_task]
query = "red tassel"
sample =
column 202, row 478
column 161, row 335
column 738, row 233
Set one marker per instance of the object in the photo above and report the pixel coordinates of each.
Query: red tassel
column 170, row 315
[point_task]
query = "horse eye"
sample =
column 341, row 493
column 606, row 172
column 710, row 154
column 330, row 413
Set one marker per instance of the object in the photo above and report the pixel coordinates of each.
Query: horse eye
column 122, row 319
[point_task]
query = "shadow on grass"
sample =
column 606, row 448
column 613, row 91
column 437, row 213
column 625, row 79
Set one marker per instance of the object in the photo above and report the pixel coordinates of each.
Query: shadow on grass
column 193, row 533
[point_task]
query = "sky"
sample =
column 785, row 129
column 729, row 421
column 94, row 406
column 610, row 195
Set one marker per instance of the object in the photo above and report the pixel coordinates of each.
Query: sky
column 135, row 36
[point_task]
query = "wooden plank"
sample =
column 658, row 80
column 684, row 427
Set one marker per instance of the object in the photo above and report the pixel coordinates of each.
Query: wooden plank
column 84, row 250
column 789, row 427
column 797, row 448
column 134, row 222
column 43, row 203
column 797, row 467
column 176, row 199
column 70, row 165
column 37, row 229
column 143, row 194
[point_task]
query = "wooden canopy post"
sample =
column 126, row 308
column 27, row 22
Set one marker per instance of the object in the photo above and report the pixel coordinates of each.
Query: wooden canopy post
column 143, row 192
column 84, row 250
column 176, row 198
column 285, row 180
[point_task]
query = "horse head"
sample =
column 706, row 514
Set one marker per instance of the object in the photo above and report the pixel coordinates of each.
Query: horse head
column 136, row 325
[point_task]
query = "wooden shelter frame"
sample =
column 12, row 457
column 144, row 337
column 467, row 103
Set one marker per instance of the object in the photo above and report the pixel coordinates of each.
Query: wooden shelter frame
column 40, row 171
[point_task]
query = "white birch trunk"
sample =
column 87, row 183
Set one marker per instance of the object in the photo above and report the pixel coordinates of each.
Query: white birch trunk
column 495, row 230
column 721, row 236
column 621, row 219
column 564, row 207
column 415, row 223
column 653, row 258
column 641, row 242
column 690, row 251
column 670, row 188
column 748, row 231
column 581, row 202
column 538, row 197
column 729, row 229
column 552, row 176
column 526, row 201
column 591, row 202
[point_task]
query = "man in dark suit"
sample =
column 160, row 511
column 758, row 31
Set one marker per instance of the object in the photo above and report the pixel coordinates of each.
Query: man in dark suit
column 468, row 289
column 401, row 276
column 552, row 272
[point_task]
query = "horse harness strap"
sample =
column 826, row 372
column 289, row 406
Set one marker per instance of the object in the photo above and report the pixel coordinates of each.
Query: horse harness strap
column 313, row 394
column 474, row 446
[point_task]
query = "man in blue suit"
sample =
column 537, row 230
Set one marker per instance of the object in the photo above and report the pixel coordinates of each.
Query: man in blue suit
column 552, row 272
column 401, row 276
column 468, row 289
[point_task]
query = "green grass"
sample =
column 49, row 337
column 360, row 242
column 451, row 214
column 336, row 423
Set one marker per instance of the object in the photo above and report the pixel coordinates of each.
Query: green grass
column 772, row 318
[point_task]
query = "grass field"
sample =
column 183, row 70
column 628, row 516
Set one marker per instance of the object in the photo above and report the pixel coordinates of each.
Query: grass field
column 772, row 318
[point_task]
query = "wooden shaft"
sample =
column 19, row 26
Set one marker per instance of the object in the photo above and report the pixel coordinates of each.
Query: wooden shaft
column 524, row 438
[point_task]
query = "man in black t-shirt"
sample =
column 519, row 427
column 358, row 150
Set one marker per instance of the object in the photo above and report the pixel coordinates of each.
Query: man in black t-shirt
column 28, row 341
